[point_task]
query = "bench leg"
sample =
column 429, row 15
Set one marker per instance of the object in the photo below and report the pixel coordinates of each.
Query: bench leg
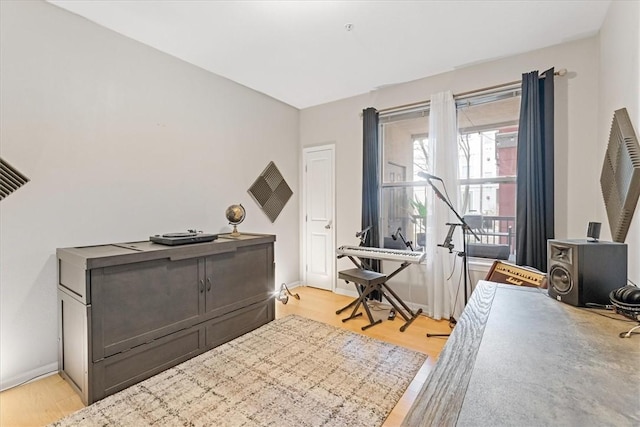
column 353, row 316
column 366, row 292
column 364, row 328
column 352, row 302
column 361, row 300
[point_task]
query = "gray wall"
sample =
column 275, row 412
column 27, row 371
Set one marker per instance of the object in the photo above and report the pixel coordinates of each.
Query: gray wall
column 120, row 142
column 580, row 137
column 619, row 86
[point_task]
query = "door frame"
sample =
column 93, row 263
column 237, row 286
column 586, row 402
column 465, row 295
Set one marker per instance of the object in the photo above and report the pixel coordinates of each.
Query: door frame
column 303, row 261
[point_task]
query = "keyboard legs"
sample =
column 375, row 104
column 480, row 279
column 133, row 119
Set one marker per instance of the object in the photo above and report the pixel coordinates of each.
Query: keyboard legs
column 387, row 293
column 408, row 315
column 413, row 317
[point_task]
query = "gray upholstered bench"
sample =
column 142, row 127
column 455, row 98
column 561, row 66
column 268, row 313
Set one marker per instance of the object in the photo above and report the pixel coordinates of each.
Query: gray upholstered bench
column 365, row 281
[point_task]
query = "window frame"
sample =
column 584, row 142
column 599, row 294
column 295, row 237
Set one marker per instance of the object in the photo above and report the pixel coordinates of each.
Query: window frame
column 423, row 110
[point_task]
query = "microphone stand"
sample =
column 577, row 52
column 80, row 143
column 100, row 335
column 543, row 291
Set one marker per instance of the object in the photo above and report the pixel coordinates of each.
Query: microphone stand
column 362, row 235
column 407, row 243
column 447, row 244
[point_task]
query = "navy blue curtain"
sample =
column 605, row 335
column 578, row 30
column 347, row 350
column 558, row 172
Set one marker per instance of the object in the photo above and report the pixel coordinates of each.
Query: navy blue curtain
column 534, row 200
column 370, row 180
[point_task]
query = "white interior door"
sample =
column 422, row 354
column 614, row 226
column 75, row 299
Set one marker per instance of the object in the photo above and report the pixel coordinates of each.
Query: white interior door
column 319, row 213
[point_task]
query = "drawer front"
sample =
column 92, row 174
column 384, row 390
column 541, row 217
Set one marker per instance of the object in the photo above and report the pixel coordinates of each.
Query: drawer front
column 125, row 369
column 136, row 303
column 225, row 328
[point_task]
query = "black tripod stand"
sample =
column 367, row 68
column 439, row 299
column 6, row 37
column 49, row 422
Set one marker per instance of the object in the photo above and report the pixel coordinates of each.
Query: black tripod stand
column 448, row 243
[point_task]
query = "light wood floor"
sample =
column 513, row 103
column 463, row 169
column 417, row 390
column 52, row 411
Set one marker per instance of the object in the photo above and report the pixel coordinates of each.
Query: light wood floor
column 49, row 399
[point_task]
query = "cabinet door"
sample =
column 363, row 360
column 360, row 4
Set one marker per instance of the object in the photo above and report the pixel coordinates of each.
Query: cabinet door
column 239, row 279
column 136, row 303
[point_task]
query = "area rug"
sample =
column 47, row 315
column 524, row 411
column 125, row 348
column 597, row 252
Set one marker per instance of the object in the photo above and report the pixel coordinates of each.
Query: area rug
column 290, row 372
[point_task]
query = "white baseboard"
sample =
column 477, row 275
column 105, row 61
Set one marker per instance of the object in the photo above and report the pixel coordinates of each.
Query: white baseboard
column 413, row 306
column 293, row 285
column 346, row 292
column 34, row 374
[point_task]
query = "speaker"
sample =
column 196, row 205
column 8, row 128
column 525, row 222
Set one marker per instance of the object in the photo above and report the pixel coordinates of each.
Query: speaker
column 593, row 231
column 584, row 271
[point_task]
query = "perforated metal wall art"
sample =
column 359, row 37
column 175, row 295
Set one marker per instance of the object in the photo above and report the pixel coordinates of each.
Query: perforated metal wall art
column 271, row 191
column 10, row 179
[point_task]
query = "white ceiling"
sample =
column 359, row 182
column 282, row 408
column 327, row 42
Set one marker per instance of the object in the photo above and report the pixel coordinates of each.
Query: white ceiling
column 301, row 53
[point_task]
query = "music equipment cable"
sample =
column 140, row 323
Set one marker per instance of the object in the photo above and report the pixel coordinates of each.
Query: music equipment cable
column 591, row 309
column 625, row 302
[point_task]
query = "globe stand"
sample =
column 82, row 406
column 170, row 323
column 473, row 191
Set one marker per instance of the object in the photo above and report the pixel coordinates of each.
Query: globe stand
column 235, row 215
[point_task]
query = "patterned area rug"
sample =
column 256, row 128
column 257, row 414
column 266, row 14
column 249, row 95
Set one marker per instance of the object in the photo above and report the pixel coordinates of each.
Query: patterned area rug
column 291, row 372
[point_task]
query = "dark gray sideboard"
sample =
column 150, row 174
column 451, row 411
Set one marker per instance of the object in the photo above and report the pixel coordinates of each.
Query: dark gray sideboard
column 127, row 311
column 519, row 358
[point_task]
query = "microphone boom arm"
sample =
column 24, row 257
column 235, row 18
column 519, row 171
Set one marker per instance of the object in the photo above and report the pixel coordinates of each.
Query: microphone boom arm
column 362, row 235
column 398, row 233
column 464, row 224
column 406, row 242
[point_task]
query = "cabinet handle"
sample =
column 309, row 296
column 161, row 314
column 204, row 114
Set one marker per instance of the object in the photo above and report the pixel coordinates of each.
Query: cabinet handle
column 208, row 283
column 201, row 286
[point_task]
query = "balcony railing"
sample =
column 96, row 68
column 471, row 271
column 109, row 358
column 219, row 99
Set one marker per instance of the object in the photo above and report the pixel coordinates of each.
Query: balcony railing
column 496, row 233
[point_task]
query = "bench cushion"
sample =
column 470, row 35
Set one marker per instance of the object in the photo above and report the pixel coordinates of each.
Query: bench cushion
column 362, row 277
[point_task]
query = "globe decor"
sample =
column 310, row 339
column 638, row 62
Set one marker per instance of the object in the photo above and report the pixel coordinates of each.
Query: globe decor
column 235, row 215
column 271, row 191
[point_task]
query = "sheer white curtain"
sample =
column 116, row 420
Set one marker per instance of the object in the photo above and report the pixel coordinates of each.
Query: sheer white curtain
column 444, row 279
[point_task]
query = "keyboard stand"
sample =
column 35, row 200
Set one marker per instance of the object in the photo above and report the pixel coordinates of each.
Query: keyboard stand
column 372, row 281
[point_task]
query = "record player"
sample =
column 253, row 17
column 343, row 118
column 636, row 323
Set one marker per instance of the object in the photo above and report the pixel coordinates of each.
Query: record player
column 184, row 238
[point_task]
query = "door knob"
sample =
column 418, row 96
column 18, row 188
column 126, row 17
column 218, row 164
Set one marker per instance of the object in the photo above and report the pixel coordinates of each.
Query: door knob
column 328, row 226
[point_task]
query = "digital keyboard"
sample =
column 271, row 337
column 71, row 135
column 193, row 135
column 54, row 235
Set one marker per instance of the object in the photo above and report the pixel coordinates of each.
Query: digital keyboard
column 381, row 253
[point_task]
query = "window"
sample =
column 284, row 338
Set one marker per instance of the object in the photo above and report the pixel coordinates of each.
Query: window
column 488, row 127
column 404, row 202
column 488, row 134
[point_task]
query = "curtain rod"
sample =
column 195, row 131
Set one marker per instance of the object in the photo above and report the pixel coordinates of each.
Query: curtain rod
column 560, row 72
